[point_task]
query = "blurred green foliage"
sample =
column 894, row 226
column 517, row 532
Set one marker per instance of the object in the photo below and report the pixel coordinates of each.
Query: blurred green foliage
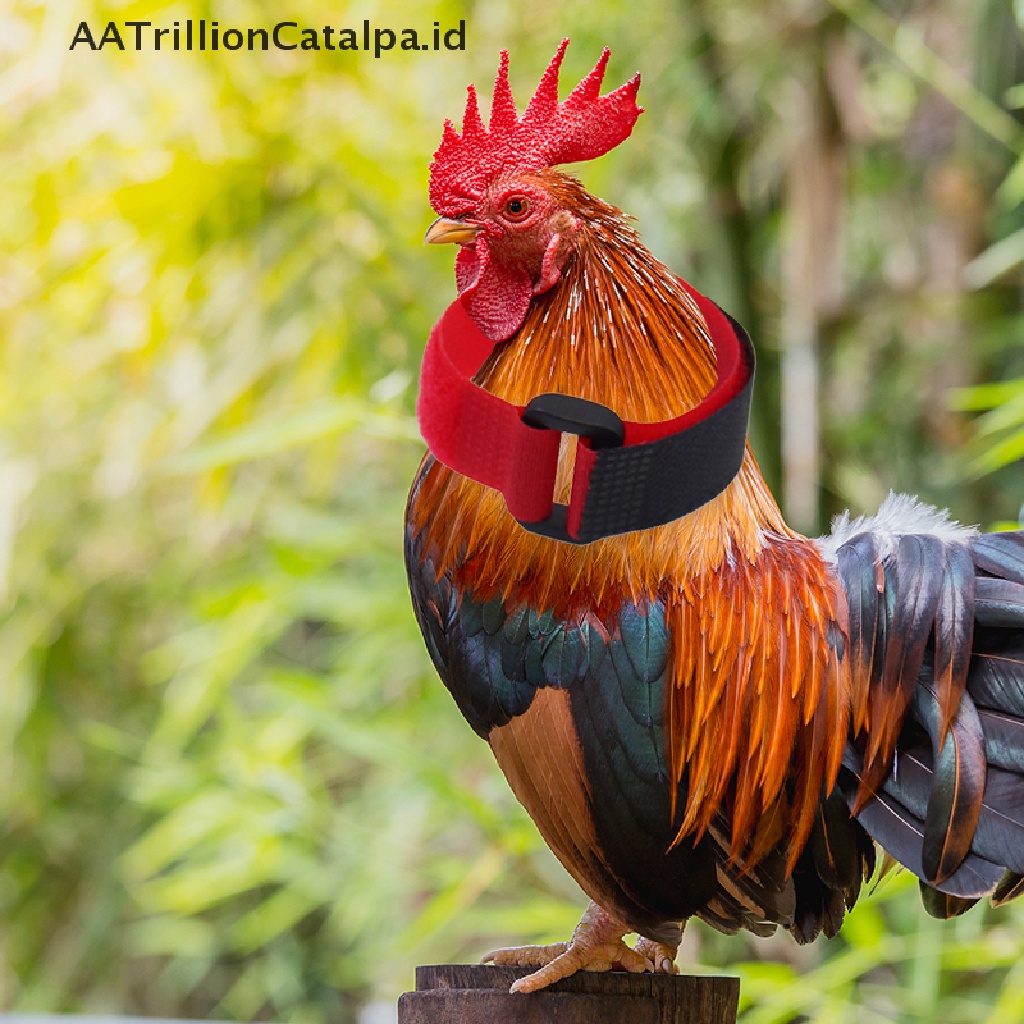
column 232, row 785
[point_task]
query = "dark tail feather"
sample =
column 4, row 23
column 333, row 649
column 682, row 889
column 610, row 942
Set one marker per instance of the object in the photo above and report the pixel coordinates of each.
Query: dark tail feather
column 999, row 603
column 950, row 806
column 996, row 680
column 900, row 832
column 955, row 795
column 917, row 570
column 941, row 904
column 857, row 561
column 1000, row 554
column 1010, row 886
column 999, row 835
column 954, row 624
column 1004, row 740
column 838, row 859
column 834, row 854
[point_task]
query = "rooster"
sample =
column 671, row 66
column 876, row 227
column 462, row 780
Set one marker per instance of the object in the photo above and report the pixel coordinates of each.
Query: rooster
column 705, row 713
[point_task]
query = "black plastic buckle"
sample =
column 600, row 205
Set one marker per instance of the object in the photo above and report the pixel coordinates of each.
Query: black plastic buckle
column 569, row 415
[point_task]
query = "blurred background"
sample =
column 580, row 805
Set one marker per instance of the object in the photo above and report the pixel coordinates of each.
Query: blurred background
column 231, row 784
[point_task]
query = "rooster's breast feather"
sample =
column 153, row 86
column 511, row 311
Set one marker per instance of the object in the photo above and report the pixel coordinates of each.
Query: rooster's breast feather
column 574, row 712
column 657, row 739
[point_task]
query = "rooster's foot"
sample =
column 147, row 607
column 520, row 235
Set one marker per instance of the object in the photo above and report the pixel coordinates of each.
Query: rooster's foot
column 663, row 957
column 596, row 945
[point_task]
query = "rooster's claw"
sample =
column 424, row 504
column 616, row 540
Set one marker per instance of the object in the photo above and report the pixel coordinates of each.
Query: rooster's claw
column 596, row 945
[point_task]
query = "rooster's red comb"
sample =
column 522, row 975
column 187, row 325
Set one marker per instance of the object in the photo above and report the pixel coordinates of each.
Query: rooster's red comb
column 584, row 126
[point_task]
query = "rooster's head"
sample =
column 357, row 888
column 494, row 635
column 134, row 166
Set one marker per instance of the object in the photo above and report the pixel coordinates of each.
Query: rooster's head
column 498, row 197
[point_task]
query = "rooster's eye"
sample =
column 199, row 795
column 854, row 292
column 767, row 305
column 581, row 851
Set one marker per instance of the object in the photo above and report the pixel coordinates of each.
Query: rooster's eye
column 517, row 208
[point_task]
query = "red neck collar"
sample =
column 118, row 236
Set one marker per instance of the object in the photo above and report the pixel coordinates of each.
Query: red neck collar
column 627, row 476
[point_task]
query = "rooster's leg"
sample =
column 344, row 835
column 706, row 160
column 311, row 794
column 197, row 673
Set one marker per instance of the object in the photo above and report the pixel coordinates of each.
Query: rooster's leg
column 596, row 945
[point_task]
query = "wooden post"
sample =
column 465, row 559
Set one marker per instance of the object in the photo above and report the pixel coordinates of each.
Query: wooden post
column 478, row 994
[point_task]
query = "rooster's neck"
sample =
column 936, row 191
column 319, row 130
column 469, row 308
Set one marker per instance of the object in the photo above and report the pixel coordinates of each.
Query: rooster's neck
column 618, row 329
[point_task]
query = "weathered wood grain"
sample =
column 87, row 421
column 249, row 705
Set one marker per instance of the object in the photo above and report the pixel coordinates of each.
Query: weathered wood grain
column 480, row 1006
column 478, row 994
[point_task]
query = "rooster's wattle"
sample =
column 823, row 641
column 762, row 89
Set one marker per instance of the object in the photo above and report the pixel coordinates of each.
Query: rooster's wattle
column 713, row 716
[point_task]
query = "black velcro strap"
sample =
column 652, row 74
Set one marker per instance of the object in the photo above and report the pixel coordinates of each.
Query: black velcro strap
column 645, row 485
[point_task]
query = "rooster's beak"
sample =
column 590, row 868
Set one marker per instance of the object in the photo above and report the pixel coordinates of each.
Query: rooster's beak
column 445, row 230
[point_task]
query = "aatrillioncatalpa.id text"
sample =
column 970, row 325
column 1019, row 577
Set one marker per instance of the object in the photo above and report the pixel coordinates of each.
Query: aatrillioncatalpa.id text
column 285, row 35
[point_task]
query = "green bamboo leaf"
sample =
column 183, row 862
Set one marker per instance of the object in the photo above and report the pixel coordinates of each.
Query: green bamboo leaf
column 170, row 935
column 271, row 917
column 906, row 41
column 986, row 396
column 1000, row 454
column 454, row 900
column 1002, row 257
column 1003, row 417
column 1011, row 192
